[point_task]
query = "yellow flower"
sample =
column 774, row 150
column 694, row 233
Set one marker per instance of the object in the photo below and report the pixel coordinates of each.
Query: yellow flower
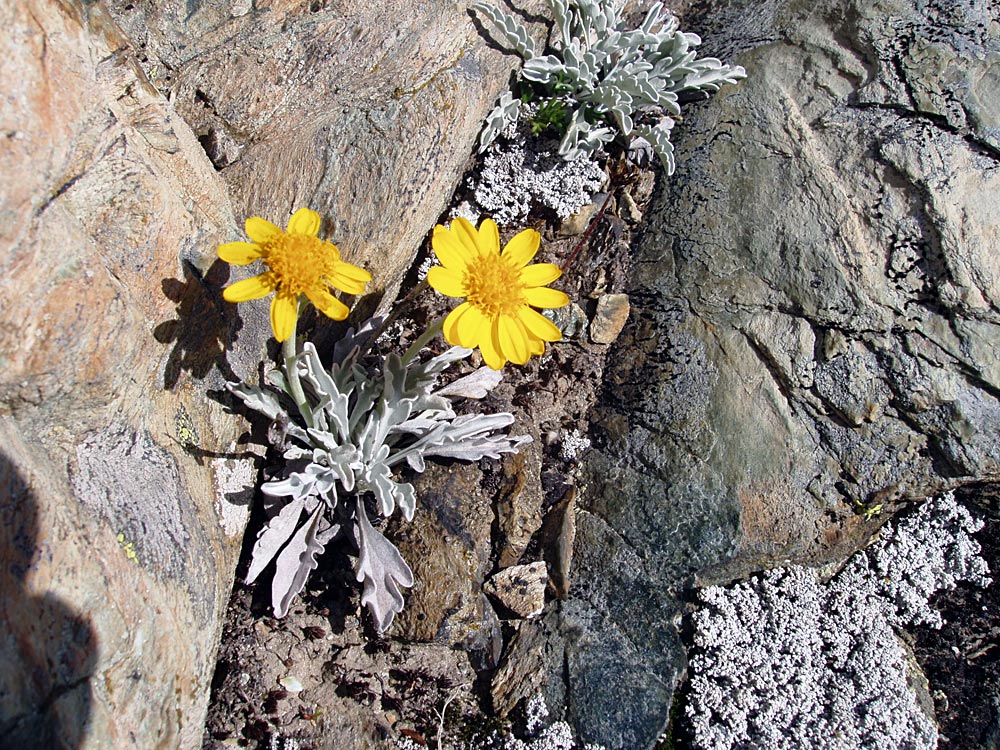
column 500, row 291
column 298, row 263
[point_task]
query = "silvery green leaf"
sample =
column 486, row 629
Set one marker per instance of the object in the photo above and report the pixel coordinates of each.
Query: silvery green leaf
column 273, row 537
column 514, row 33
column 582, row 137
column 298, row 559
column 377, row 477
column 364, row 398
column 475, row 385
column 500, row 118
column 475, row 448
column 709, row 74
column 382, row 570
column 353, row 341
column 444, row 360
column 618, row 73
column 277, row 378
column 315, row 479
column 659, row 137
column 545, row 69
column 334, row 404
column 258, row 399
column 654, row 18
column 560, row 11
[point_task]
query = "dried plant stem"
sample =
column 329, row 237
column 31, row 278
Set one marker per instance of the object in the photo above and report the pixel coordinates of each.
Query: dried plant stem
column 590, row 231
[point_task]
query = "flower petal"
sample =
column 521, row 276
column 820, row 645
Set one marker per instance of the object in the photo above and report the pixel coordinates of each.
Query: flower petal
column 513, row 339
column 348, row 286
column 536, row 346
column 467, row 235
column 449, row 249
column 450, row 326
column 354, row 272
column 489, row 237
column 284, row 311
column 542, row 296
column 490, row 348
column 239, row 253
column 540, row 274
column 473, row 327
column 327, row 304
column 538, row 325
column 260, row 230
column 304, row 221
column 255, row 287
column 446, row 281
column 522, row 248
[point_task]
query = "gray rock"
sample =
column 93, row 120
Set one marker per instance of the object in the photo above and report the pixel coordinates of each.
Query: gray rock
column 813, row 302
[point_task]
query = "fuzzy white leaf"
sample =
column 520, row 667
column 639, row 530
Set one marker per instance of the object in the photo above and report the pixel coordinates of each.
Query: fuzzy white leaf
column 298, row 559
column 514, row 32
column 273, row 537
column 475, row 385
column 382, row 570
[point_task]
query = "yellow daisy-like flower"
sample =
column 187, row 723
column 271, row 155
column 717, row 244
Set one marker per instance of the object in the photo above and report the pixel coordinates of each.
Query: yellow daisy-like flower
column 500, row 291
column 298, row 263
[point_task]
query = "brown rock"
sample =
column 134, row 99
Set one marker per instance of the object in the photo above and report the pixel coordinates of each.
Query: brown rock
column 522, row 670
column 447, row 546
column 558, row 533
column 116, row 567
column 519, row 508
column 119, row 540
column 610, row 318
column 520, row 589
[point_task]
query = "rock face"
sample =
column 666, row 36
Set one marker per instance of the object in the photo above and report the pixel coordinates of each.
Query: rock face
column 123, row 492
column 116, row 561
column 815, row 319
column 366, row 111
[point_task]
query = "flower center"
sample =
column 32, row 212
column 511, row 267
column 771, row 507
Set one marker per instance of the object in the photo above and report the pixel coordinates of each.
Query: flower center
column 300, row 262
column 494, row 286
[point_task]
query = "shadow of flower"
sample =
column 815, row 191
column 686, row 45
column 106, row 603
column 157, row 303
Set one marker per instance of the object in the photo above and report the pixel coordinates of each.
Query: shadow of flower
column 204, row 326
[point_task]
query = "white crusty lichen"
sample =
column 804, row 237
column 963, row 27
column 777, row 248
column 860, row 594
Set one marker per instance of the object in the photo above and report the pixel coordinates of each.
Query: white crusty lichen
column 784, row 662
column 518, row 174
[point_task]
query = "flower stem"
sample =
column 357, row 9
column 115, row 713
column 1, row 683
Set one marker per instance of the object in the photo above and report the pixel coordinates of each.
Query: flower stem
column 289, row 353
column 421, row 342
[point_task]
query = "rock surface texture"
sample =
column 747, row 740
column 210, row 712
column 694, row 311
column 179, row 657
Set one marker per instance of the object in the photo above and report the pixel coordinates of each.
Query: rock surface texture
column 118, row 532
column 367, row 111
column 815, row 320
column 122, row 487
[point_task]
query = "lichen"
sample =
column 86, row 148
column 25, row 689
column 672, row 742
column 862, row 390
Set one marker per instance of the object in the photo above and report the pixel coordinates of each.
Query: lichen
column 783, row 662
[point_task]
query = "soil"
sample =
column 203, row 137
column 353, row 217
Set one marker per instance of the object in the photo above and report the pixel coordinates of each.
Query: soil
column 962, row 659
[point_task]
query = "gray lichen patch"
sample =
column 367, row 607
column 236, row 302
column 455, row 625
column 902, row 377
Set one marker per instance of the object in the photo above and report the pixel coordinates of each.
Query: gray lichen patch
column 134, row 485
column 786, row 662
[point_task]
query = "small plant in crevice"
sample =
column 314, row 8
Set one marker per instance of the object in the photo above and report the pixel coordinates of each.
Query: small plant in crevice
column 346, row 428
column 606, row 76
